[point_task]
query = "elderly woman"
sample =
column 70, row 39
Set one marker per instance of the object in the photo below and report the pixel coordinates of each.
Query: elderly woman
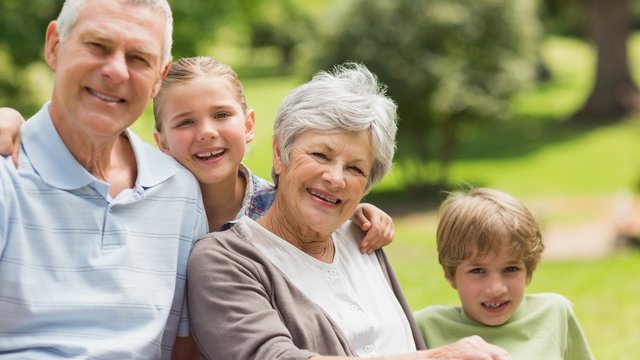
column 293, row 285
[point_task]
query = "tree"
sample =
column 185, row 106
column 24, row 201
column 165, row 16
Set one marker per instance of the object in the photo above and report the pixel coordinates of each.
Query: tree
column 609, row 24
column 447, row 63
column 23, row 25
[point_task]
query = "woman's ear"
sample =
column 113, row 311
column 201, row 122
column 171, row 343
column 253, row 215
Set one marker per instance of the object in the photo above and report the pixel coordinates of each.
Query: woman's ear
column 160, row 141
column 277, row 158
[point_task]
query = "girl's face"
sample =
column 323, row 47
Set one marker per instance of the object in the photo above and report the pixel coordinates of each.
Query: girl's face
column 490, row 287
column 205, row 128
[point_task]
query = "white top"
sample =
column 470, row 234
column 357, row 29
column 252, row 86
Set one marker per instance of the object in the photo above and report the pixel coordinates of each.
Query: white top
column 352, row 290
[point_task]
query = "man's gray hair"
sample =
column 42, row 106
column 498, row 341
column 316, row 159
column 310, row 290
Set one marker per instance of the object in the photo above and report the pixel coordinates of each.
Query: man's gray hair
column 349, row 98
column 71, row 10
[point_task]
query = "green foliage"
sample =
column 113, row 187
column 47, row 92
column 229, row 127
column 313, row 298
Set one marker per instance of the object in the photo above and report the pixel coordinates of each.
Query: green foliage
column 446, row 62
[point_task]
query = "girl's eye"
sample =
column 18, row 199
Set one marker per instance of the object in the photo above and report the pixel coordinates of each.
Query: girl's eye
column 185, row 122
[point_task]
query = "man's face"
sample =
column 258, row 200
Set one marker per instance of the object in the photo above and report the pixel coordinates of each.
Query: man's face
column 106, row 69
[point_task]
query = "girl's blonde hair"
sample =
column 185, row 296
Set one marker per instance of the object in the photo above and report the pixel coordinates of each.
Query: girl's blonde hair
column 483, row 221
column 189, row 68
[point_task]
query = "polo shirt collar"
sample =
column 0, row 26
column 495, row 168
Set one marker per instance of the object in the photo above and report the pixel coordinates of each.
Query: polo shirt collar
column 58, row 167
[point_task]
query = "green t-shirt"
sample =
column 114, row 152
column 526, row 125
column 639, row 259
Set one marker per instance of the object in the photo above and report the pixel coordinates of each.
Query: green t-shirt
column 543, row 327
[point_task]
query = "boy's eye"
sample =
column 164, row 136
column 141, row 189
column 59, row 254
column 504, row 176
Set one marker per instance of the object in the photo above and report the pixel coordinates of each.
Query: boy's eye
column 511, row 269
column 477, row 271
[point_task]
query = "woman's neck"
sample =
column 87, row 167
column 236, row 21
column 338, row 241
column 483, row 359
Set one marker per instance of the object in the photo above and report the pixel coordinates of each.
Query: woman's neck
column 222, row 205
column 317, row 245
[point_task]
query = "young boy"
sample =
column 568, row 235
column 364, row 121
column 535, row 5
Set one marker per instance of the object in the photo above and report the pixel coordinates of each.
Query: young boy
column 489, row 245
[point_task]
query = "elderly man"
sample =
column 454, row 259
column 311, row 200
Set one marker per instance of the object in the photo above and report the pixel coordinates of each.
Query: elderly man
column 95, row 225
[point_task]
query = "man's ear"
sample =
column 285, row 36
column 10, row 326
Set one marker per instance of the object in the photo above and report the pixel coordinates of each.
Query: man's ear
column 51, row 45
column 451, row 279
column 156, row 86
column 250, row 126
column 160, row 141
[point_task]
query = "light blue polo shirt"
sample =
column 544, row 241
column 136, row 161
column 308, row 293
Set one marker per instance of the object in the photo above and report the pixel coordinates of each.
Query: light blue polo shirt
column 84, row 275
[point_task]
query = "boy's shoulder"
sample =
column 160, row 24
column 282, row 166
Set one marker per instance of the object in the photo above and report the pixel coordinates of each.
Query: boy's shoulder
column 433, row 312
column 547, row 299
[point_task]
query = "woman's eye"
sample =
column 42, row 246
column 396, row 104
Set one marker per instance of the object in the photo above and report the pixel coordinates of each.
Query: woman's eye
column 357, row 170
column 320, row 155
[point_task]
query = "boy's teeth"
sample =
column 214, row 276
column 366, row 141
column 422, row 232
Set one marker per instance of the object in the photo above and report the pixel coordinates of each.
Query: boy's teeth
column 328, row 199
column 493, row 306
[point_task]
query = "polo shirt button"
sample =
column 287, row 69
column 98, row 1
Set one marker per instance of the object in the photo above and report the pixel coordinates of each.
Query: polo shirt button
column 368, row 348
column 354, row 307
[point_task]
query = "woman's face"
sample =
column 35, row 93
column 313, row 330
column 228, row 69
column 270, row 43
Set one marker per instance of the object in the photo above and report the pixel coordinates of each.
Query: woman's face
column 325, row 179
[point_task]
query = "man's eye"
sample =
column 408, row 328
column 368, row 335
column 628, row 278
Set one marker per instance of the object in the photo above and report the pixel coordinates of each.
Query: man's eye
column 140, row 59
column 97, row 46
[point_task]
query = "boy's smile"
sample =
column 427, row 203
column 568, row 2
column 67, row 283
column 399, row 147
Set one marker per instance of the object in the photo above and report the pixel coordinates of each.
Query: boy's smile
column 490, row 286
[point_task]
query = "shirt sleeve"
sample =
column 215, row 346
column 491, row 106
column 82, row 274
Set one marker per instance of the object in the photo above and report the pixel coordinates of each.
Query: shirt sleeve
column 577, row 345
column 232, row 316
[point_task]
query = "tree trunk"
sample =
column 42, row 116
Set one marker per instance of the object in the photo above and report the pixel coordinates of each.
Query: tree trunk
column 614, row 94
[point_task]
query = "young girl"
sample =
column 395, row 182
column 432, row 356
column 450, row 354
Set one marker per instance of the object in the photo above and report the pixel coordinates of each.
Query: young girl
column 202, row 120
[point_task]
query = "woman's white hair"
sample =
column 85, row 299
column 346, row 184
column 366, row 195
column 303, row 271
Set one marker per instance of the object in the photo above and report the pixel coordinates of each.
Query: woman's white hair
column 349, row 98
column 71, row 10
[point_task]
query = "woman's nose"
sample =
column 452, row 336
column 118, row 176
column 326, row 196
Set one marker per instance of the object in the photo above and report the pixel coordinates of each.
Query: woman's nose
column 334, row 174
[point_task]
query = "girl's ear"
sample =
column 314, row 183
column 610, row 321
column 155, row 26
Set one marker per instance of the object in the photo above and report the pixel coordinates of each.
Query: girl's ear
column 250, row 126
column 160, row 141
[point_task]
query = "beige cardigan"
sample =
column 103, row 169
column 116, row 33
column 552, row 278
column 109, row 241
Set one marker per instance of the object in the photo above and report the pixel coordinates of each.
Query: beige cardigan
column 243, row 307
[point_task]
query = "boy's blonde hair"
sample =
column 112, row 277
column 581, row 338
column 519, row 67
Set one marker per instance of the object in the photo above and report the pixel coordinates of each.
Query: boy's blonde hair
column 482, row 221
column 189, row 68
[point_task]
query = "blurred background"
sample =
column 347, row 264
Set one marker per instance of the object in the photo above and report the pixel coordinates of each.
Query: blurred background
column 538, row 98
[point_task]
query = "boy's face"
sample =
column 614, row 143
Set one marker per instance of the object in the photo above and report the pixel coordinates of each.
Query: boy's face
column 491, row 287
